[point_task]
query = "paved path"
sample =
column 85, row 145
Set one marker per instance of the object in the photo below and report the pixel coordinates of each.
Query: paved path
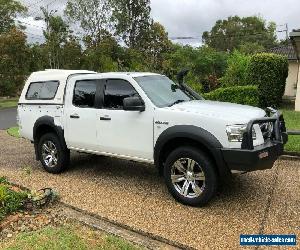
column 8, row 118
column 133, row 194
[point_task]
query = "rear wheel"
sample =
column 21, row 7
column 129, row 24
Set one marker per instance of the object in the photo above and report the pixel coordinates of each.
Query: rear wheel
column 190, row 176
column 52, row 154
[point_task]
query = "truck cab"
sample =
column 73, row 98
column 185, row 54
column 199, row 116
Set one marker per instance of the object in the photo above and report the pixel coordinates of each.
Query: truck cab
column 146, row 117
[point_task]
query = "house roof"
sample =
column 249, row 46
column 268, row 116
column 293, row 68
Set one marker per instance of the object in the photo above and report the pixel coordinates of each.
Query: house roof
column 285, row 50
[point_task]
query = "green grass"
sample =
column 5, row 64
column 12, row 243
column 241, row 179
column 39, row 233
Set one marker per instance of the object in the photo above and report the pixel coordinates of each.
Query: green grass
column 14, row 131
column 292, row 122
column 67, row 237
column 8, row 103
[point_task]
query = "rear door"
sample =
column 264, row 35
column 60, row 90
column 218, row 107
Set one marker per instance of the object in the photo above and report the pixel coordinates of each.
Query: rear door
column 81, row 114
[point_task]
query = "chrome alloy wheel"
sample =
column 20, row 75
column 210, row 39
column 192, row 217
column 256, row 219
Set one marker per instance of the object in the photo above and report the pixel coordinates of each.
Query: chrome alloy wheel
column 188, row 178
column 49, row 154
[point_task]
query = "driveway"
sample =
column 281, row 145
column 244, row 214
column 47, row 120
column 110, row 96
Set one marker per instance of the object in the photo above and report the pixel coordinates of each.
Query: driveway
column 133, row 194
column 8, row 118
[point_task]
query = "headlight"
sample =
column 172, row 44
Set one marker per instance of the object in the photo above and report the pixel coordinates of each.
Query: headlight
column 235, row 132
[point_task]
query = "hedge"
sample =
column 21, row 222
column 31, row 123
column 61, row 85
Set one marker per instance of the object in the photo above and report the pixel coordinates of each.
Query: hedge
column 247, row 95
column 269, row 72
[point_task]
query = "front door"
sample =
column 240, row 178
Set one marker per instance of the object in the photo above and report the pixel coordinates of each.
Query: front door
column 125, row 133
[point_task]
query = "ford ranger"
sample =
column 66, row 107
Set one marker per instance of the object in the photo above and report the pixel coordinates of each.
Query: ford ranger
column 146, row 117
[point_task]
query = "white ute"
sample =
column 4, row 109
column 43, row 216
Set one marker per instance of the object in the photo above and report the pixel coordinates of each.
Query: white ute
column 146, row 117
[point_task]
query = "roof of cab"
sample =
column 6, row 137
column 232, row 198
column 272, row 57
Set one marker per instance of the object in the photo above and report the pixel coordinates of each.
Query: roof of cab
column 57, row 74
column 132, row 74
column 63, row 76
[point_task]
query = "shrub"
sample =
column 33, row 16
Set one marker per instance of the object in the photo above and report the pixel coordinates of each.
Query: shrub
column 269, row 72
column 235, row 74
column 10, row 200
column 247, row 95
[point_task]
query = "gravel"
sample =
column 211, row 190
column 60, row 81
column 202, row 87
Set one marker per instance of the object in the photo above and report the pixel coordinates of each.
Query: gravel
column 133, row 194
column 28, row 221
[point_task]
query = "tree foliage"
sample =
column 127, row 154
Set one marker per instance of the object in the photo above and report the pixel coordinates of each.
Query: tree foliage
column 13, row 61
column 250, row 48
column 231, row 33
column 8, row 12
column 56, row 34
column 235, row 73
column 132, row 21
column 156, row 45
column 93, row 16
column 120, row 35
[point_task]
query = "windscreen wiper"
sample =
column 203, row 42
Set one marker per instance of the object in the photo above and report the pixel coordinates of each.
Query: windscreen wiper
column 178, row 101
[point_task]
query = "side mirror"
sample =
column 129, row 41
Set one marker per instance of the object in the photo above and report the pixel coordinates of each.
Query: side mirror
column 133, row 103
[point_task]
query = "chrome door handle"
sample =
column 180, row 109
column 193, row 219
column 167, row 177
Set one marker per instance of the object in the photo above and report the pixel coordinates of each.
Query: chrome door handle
column 105, row 118
column 74, row 116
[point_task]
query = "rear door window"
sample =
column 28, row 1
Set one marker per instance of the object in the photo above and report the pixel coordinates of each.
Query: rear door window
column 85, row 93
column 42, row 90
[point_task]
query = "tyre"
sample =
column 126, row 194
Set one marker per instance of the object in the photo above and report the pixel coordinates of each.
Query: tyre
column 190, row 176
column 53, row 155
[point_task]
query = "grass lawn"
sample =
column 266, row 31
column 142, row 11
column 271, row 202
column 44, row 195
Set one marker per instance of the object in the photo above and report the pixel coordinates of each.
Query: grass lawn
column 8, row 103
column 70, row 237
column 14, row 131
column 292, row 122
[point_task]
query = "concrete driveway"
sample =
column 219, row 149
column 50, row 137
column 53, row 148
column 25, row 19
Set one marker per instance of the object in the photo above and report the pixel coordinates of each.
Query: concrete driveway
column 8, row 118
column 134, row 195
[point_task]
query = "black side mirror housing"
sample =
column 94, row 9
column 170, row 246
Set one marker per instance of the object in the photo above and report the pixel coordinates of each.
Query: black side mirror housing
column 133, row 103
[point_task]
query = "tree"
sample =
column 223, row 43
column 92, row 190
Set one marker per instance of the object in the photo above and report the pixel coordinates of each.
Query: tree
column 206, row 65
column 13, row 61
column 209, row 62
column 132, row 21
column 236, row 71
column 8, row 12
column 229, row 34
column 157, row 45
column 102, row 57
column 72, row 57
column 37, row 58
column 56, row 35
column 94, row 17
column 250, row 48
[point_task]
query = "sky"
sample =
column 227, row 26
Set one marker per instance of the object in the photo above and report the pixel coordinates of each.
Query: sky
column 190, row 18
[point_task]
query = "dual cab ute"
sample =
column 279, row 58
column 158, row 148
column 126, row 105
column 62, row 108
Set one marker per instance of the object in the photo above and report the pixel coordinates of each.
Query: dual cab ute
column 146, row 117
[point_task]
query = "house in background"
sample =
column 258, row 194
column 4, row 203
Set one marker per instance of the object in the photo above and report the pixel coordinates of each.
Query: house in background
column 295, row 38
column 292, row 79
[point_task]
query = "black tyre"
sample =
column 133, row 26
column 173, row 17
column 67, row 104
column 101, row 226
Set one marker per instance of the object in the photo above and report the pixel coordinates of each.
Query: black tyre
column 53, row 155
column 190, row 176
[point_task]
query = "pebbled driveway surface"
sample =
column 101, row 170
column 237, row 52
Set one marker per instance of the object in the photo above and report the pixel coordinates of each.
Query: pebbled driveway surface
column 133, row 194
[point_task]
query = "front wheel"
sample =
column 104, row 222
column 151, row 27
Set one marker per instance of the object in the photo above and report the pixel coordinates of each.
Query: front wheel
column 52, row 154
column 190, row 176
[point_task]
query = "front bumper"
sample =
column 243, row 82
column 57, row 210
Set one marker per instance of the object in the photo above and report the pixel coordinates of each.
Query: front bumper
column 259, row 158
column 250, row 158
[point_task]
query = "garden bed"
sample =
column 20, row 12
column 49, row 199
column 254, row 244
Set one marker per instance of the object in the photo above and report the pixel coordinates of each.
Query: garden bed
column 46, row 227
